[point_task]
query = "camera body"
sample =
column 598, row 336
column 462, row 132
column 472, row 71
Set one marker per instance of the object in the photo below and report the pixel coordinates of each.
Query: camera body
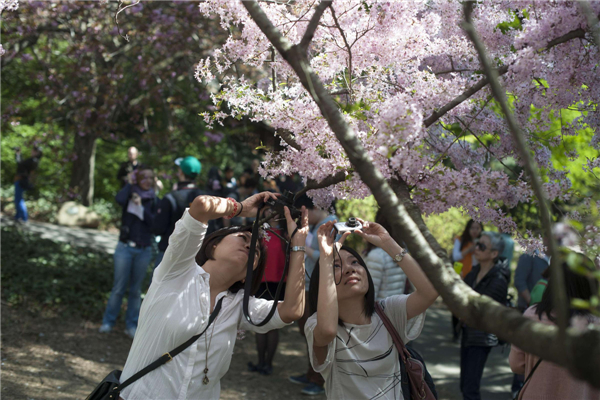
column 350, row 226
column 285, row 200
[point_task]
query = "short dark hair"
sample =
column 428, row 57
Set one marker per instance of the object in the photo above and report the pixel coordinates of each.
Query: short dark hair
column 313, row 292
column 191, row 177
column 206, row 253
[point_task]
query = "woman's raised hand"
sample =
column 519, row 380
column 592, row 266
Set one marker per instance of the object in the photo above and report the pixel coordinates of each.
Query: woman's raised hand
column 252, row 203
column 326, row 238
column 375, row 234
column 299, row 238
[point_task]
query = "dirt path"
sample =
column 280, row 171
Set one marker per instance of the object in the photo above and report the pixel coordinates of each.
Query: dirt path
column 56, row 358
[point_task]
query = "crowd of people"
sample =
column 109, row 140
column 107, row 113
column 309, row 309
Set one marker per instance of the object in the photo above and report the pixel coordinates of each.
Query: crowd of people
column 349, row 305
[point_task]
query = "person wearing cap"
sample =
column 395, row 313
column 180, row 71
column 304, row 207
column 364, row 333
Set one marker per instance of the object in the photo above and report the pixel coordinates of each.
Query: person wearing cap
column 172, row 206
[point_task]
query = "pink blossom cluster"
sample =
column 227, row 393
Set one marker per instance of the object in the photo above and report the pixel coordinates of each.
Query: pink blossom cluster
column 392, row 65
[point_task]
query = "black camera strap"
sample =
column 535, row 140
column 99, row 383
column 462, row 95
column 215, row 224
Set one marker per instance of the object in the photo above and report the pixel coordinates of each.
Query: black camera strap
column 250, row 274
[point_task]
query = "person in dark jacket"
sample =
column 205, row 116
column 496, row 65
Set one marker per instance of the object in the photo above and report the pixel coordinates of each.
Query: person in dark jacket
column 25, row 169
column 127, row 167
column 489, row 278
column 134, row 249
column 171, row 207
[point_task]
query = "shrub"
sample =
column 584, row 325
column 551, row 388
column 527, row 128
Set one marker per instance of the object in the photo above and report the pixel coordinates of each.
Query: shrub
column 42, row 275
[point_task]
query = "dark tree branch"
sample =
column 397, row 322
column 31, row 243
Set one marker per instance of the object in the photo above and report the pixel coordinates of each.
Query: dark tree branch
column 314, row 23
column 576, row 33
column 329, row 181
column 478, row 311
column 557, row 281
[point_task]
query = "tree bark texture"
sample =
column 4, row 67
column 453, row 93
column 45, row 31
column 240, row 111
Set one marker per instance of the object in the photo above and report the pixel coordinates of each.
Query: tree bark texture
column 580, row 353
column 82, row 173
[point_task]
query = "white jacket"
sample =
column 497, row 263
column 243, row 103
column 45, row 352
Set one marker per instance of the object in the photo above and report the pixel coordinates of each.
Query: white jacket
column 389, row 279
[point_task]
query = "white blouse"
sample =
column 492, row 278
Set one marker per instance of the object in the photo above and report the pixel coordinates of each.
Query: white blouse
column 362, row 362
column 177, row 307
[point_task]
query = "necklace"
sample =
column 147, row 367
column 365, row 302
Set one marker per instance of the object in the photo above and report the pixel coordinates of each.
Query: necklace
column 206, row 380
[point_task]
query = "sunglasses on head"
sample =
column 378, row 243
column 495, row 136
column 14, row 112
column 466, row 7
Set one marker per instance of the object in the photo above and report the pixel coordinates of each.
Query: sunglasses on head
column 481, row 246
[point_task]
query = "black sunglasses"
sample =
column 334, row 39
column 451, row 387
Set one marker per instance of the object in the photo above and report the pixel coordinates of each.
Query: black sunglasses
column 481, row 246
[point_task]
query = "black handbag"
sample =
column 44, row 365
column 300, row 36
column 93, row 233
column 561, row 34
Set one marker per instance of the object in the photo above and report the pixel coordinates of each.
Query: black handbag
column 110, row 388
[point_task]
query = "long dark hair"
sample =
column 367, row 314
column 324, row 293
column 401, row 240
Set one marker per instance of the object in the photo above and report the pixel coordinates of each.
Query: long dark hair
column 313, row 292
column 465, row 238
column 207, row 252
column 577, row 286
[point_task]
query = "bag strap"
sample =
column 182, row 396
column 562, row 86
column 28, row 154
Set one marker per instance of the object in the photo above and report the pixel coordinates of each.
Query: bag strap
column 165, row 358
column 392, row 331
column 527, row 379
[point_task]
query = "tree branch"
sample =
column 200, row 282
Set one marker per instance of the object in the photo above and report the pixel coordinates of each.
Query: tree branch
column 348, row 47
column 314, row 23
column 478, row 311
column 329, row 181
column 576, row 33
column 557, row 281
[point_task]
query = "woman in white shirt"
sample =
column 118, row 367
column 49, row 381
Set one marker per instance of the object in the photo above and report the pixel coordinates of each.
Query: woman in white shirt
column 193, row 276
column 347, row 341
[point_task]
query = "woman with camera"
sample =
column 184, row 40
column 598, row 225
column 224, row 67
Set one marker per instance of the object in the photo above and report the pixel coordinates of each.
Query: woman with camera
column 134, row 250
column 199, row 275
column 347, row 341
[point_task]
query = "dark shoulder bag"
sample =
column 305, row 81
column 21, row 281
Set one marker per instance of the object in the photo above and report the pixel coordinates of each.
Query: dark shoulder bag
column 415, row 379
column 110, row 388
column 522, row 390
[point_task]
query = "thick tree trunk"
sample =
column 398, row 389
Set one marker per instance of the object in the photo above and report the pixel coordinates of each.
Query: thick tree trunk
column 82, row 173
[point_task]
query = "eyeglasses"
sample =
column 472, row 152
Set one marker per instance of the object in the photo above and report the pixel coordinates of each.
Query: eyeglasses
column 481, row 246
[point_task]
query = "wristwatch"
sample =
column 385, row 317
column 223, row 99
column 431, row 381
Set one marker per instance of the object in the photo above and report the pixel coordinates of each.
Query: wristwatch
column 299, row 248
column 398, row 257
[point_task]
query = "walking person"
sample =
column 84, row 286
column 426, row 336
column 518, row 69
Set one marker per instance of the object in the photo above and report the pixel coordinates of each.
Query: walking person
column 134, row 250
column 23, row 180
column 172, row 206
column 489, row 278
column 546, row 380
column 463, row 251
column 348, row 343
column 388, row 277
column 197, row 275
column 266, row 343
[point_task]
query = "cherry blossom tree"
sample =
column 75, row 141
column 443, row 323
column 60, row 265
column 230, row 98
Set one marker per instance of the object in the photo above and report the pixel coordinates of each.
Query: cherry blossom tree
column 67, row 64
column 394, row 99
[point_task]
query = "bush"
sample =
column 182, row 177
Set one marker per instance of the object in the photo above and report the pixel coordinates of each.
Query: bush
column 47, row 276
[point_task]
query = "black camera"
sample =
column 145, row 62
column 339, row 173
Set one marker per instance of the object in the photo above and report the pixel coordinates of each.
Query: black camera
column 285, row 200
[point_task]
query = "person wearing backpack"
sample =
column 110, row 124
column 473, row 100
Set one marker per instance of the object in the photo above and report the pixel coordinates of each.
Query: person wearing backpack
column 353, row 339
column 171, row 207
column 489, row 278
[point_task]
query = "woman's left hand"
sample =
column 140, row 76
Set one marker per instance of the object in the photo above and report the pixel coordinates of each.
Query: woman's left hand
column 375, row 234
column 299, row 238
column 252, row 203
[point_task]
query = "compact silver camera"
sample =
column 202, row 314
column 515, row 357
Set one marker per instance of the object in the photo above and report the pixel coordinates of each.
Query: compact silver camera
column 350, row 226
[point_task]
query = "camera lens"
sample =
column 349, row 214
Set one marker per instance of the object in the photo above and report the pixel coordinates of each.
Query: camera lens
column 351, row 222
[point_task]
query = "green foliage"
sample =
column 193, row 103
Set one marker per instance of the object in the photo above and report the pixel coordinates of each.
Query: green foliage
column 56, row 277
column 447, row 226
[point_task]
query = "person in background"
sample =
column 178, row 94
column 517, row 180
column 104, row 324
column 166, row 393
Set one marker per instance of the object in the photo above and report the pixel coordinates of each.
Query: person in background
column 127, row 167
column 530, row 268
column 509, row 248
column 266, row 343
column 388, row 278
column 134, row 249
column 464, row 247
column 23, row 180
column 171, row 207
column 312, row 381
column 229, row 183
column 550, row 381
column 540, row 287
column 489, row 278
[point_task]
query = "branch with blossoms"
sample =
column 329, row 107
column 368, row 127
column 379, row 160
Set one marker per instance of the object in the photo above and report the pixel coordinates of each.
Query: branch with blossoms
column 477, row 311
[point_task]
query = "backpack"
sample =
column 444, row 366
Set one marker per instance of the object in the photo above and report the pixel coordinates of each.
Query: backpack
column 180, row 200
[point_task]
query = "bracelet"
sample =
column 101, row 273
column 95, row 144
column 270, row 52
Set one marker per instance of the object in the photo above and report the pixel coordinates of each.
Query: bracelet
column 241, row 209
column 235, row 208
column 299, row 248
